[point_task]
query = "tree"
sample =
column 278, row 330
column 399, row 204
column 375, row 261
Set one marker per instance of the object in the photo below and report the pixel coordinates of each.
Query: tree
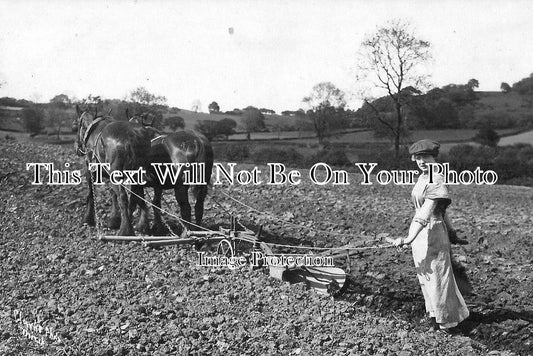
column 524, row 86
column 324, row 101
column 33, row 120
column 57, row 113
column 392, row 59
column 22, row 103
column 253, row 120
column 143, row 97
column 174, row 122
column 487, row 137
column 473, row 83
column 57, row 118
column 267, row 111
column 91, row 103
column 212, row 128
column 208, row 127
column 505, row 87
column 61, row 101
column 226, row 127
column 146, row 103
column 213, row 107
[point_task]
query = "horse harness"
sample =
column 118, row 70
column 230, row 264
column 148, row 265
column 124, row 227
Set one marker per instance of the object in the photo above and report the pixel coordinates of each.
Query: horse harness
column 156, row 140
column 93, row 154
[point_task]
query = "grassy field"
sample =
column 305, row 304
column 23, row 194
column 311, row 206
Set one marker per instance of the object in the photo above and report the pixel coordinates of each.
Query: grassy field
column 524, row 137
column 355, row 138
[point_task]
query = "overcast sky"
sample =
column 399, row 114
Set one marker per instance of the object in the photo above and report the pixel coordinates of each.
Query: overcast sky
column 239, row 53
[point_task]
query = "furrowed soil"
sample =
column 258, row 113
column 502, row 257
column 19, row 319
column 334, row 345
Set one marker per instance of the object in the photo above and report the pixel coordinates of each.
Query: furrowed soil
column 64, row 292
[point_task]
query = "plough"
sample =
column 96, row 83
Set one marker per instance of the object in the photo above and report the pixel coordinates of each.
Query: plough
column 325, row 279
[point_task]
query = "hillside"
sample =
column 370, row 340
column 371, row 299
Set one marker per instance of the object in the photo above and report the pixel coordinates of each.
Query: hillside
column 191, row 118
column 116, row 299
column 454, row 107
column 504, row 105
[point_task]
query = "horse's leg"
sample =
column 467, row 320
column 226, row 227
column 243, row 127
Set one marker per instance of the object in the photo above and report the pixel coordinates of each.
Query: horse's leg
column 125, row 223
column 134, row 201
column 201, row 193
column 182, row 197
column 89, row 212
column 114, row 219
column 158, row 228
column 137, row 197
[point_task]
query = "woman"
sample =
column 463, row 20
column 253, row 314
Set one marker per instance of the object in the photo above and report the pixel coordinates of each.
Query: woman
column 428, row 237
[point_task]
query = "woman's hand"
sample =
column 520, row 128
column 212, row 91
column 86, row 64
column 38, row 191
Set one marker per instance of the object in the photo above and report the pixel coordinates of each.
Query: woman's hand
column 398, row 242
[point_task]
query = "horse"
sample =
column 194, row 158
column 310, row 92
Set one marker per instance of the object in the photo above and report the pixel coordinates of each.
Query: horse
column 180, row 147
column 124, row 146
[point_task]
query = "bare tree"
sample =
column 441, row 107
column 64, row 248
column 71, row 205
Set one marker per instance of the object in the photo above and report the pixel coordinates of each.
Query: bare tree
column 392, row 59
column 324, row 101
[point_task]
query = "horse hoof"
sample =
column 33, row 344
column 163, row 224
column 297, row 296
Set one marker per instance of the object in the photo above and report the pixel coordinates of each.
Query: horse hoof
column 114, row 223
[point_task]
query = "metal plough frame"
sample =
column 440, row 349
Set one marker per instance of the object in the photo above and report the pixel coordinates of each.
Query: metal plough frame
column 325, row 280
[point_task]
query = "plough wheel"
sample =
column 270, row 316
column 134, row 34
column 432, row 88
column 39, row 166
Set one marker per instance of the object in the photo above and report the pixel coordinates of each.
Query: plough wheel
column 225, row 248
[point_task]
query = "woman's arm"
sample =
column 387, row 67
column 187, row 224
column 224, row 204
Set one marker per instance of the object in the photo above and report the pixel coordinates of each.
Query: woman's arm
column 447, row 222
column 452, row 234
column 420, row 220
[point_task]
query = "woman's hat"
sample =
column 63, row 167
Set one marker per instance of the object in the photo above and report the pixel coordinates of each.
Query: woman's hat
column 425, row 147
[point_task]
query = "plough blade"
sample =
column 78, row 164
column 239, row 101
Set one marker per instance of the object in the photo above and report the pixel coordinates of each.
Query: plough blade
column 324, row 280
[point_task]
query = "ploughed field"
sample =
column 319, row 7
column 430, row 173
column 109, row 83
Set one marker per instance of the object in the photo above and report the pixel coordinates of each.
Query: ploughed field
column 97, row 298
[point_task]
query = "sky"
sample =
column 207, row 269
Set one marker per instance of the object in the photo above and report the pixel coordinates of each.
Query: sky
column 268, row 54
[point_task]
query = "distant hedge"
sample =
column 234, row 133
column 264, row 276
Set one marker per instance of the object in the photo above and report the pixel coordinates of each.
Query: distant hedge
column 513, row 164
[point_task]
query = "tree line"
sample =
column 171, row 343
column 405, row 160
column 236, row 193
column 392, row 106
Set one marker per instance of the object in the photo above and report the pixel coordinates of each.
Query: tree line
column 391, row 59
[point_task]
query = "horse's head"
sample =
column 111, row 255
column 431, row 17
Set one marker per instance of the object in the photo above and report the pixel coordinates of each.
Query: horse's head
column 80, row 125
column 144, row 119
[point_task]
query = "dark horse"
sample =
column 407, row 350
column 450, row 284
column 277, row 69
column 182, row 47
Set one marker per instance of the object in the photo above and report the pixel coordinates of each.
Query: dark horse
column 180, row 147
column 124, row 146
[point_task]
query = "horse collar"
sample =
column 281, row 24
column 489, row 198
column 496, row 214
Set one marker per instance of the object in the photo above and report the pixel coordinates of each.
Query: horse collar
column 90, row 128
column 155, row 140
